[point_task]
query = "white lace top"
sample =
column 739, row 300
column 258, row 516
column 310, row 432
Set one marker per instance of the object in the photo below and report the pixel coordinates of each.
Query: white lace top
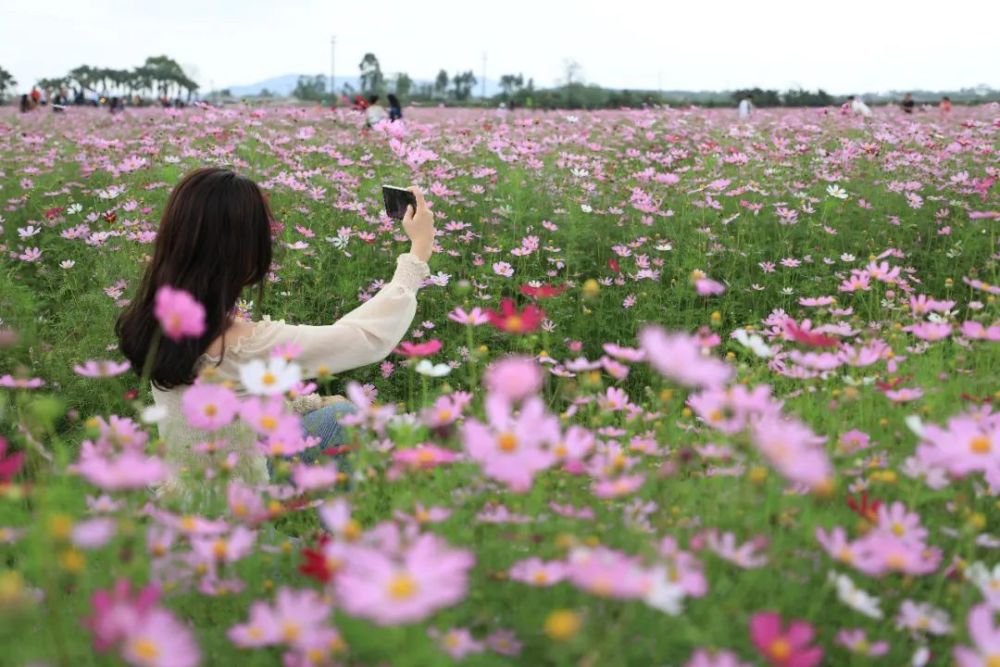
column 364, row 336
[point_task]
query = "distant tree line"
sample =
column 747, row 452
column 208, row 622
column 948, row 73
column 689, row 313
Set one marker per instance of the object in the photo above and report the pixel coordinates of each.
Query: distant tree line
column 159, row 76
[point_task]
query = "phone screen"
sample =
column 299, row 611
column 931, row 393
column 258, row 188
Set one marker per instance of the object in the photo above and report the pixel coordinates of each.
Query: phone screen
column 396, row 200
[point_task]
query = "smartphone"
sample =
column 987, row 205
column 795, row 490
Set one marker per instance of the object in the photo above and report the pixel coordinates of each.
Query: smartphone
column 396, row 200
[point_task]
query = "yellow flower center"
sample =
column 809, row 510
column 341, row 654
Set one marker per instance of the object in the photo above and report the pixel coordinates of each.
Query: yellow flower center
column 896, row 561
column 980, row 445
column 268, row 423
column 562, row 624
column 268, row 379
column 993, row 660
column 425, row 456
column 188, row 523
column 290, row 631
column 402, row 586
column 780, row 649
column 444, row 415
column 897, row 529
column 715, row 416
column 561, row 450
column 219, row 549
column 146, row 649
column 514, row 323
column 211, row 410
column 255, row 633
column 540, row 577
column 507, row 442
column 352, row 530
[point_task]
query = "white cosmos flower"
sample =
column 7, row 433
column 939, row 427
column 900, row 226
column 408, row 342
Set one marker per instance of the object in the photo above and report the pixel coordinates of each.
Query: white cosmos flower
column 67, row 263
column 664, row 247
column 270, row 378
column 664, row 594
column 754, row 342
column 854, row 597
column 835, row 190
column 74, row 208
column 152, row 414
column 425, row 367
column 586, row 208
column 915, row 424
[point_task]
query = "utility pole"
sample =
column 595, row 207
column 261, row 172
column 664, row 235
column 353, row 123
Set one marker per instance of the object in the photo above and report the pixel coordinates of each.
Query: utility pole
column 483, row 94
column 333, row 47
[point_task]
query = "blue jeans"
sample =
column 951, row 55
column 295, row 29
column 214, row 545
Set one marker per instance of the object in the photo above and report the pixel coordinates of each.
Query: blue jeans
column 325, row 425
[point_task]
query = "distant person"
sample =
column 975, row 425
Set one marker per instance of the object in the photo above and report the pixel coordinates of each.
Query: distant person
column 25, row 103
column 395, row 108
column 908, row 103
column 115, row 105
column 374, row 113
column 945, row 104
column 745, row 108
column 36, row 96
column 858, row 107
column 360, row 103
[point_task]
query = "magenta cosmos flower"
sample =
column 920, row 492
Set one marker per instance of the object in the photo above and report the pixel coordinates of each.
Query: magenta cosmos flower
column 784, row 647
column 514, row 378
column 179, row 314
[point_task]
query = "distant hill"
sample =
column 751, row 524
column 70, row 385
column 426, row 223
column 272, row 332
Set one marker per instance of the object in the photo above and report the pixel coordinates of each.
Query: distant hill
column 284, row 85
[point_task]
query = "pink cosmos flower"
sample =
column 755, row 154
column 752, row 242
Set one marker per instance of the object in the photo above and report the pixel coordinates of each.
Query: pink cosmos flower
column 179, row 314
column 708, row 287
column 10, row 464
column 158, row 639
column 930, row 331
column 512, row 449
column 425, row 349
column 11, row 382
column 730, row 410
column 679, row 358
column 93, row 533
column 537, row 572
column 985, row 635
column 794, row 450
column 744, row 555
column 616, row 488
column 101, row 369
column 423, row 456
column 474, row 317
column 608, row 573
column 456, row 642
column 209, row 406
column 976, row 331
column 116, row 611
column 923, row 617
column 244, row 503
column 224, row 549
column 856, row 641
column 784, row 647
column 514, row 378
column 297, row 616
column 403, row 587
column 504, row 642
column 309, row 477
column 705, row 658
column 904, row 394
column 968, row 443
column 445, row 411
column 625, row 353
column 267, row 416
column 129, row 471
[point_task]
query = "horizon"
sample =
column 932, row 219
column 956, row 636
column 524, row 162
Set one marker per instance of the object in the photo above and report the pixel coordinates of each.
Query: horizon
column 905, row 49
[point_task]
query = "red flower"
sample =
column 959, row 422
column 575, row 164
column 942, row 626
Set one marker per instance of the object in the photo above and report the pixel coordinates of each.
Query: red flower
column 865, row 509
column 9, row 464
column 315, row 564
column 53, row 212
column 543, row 292
column 613, row 263
column 512, row 321
column 408, row 349
column 110, row 217
column 810, row 338
column 891, row 384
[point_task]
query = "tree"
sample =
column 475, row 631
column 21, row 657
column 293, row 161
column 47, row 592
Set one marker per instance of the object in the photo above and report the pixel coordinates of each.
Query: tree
column 371, row 75
column 511, row 83
column 572, row 72
column 441, row 83
column 463, row 85
column 310, row 88
column 403, row 84
column 7, row 81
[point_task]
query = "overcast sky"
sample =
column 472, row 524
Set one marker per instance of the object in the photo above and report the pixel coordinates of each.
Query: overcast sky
column 843, row 46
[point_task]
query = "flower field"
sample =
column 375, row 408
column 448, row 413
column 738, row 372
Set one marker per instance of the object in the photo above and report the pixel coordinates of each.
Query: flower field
column 680, row 391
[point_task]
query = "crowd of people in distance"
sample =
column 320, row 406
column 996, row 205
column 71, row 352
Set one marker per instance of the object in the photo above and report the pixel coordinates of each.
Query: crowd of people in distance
column 853, row 106
column 373, row 111
column 59, row 100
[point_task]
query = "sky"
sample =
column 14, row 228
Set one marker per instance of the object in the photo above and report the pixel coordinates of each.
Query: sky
column 845, row 46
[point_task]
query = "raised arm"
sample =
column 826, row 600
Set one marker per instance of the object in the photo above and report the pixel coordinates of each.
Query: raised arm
column 371, row 331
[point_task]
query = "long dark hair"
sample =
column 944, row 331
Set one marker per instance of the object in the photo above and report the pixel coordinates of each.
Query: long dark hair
column 214, row 240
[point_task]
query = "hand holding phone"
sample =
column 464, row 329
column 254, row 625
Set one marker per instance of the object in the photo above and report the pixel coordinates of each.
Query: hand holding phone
column 418, row 223
column 397, row 200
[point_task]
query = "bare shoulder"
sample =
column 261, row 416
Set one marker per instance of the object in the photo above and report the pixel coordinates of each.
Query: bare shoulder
column 237, row 331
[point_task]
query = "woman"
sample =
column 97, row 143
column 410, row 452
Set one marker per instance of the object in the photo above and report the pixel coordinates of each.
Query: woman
column 214, row 241
column 374, row 113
